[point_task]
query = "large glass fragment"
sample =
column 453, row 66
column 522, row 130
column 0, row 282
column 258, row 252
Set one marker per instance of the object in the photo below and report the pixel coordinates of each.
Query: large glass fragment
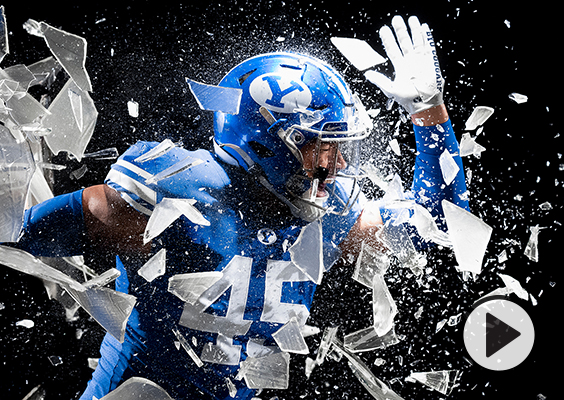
column 155, row 267
column 109, row 308
column 358, row 52
column 397, row 240
column 216, row 98
column 469, row 236
column 307, row 251
column 532, row 247
column 222, row 352
column 25, row 110
column 514, row 286
column 369, row 262
column 186, row 346
column 269, row 372
column 16, row 171
column 326, row 341
column 189, row 287
column 468, row 146
column 384, row 306
column 290, row 339
column 72, row 120
column 68, row 49
column 378, row 389
column 4, row 47
column 44, row 71
column 449, row 167
column 441, row 381
column 21, row 75
column 479, row 115
column 138, row 389
column 367, row 339
column 168, row 211
column 157, row 151
column 427, row 227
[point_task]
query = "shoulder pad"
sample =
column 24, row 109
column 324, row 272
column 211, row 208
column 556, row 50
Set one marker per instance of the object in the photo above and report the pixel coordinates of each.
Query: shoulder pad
column 145, row 174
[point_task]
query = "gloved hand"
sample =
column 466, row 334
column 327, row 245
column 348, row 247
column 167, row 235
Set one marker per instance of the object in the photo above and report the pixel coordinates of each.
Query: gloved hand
column 418, row 83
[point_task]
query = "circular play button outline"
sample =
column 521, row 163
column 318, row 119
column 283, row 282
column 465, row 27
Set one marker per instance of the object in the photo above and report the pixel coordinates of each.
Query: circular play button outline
column 498, row 334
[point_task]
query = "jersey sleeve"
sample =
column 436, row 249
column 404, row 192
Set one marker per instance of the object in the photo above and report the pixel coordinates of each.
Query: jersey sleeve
column 144, row 175
column 429, row 187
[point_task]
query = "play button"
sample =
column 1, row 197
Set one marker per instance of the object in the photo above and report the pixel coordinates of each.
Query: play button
column 498, row 334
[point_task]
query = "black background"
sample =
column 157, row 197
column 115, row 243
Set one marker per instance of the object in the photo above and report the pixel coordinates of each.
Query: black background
column 143, row 50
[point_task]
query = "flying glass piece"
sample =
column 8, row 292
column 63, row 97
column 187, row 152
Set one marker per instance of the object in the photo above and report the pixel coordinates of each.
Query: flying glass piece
column 186, row 346
column 449, row 167
column 469, row 235
column 216, row 98
column 71, row 120
column 427, row 227
column 109, row 308
column 368, row 263
column 290, row 339
column 177, row 168
column 478, row 117
column 468, row 146
column 358, row 52
column 518, row 98
column 441, row 381
column 68, row 49
column 222, row 352
column 157, row 151
column 384, row 306
column 168, row 211
column 17, row 168
column 269, row 372
column 326, row 341
column 133, row 108
column 138, row 389
column 189, row 287
column 44, row 71
column 155, row 267
column 307, row 252
column 514, row 286
column 532, row 248
column 4, row 47
column 367, row 339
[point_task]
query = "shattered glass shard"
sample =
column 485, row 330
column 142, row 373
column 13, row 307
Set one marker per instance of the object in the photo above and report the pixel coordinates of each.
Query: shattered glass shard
column 177, row 168
column 427, row 227
column 133, row 108
column 290, row 339
column 55, row 360
column 269, row 372
column 68, row 49
column 157, row 151
column 449, row 167
column 168, row 211
column 307, row 252
column 441, row 381
column 109, row 308
column 138, row 389
column 44, row 71
column 367, row 339
column 518, row 98
column 71, row 120
column 514, row 286
column 186, row 346
column 378, row 389
column 4, row 47
column 468, row 146
column 189, row 287
column 19, row 74
column 478, row 117
column 17, row 168
column 326, row 341
column 26, row 110
column 155, row 267
column 384, row 306
column 358, row 52
column 216, row 98
column 398, row 241
column 532, row 248
column 103, row 279
column 469, row 236
column 222, row 352
column 369, row 262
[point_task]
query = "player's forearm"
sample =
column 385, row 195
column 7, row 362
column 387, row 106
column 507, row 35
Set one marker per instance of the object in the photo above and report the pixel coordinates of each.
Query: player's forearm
column 432, row 116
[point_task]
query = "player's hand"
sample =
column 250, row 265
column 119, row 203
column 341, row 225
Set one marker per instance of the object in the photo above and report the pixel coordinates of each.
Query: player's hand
column 418, row 83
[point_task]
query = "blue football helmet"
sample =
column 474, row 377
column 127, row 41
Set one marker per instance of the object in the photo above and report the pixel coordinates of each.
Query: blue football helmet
column 291, row 103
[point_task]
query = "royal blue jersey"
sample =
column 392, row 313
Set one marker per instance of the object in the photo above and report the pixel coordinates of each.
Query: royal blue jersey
column 260, row 289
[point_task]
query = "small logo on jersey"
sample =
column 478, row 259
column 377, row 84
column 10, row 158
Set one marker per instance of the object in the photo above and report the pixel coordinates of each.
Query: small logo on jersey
column 280, row 93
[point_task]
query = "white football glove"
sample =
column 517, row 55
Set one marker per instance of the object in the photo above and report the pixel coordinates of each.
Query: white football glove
column 418, row 83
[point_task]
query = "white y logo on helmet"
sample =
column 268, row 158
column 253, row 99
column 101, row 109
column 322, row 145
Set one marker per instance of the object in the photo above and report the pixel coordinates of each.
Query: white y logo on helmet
column 280, row 93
